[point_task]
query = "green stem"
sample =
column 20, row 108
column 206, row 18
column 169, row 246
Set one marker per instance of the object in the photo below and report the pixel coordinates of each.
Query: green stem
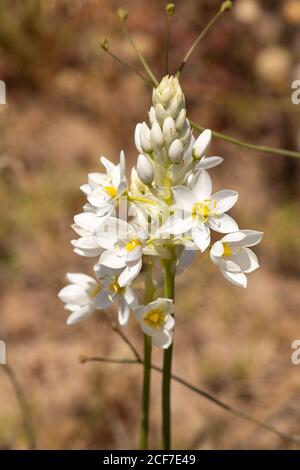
column 258, row 148
column 149, row 294
column 169, row 283
column 146, row 392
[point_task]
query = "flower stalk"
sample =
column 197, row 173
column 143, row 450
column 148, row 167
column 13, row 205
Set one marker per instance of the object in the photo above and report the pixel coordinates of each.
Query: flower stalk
column 169, row 292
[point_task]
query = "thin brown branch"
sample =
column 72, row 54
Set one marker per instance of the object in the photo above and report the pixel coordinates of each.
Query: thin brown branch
column 199, row 391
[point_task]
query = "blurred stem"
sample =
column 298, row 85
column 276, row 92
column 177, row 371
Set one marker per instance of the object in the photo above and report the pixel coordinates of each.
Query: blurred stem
column 140, row 56
column 199, row 37
column 27, row 424
column 149, row 294
column 167, row 46
column 258, row 148
column 169, row 292
column 128, row 66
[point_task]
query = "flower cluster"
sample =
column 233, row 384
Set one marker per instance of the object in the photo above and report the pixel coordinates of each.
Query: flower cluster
column 168, row 210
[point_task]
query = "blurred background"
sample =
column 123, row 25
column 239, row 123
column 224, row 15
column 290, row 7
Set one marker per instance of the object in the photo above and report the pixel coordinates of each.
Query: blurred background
column 68, row 103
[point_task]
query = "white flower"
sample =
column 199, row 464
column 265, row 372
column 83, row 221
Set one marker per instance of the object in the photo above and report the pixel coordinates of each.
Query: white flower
column 232, row 255
column 105, row 195
column 199, row 211
column 112, row 292
column 81, row 296
column 123, row 246
column 156, row 320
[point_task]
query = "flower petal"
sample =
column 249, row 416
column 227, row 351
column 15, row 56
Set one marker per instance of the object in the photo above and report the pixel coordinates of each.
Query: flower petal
column 123, row 312
column 201, row 185
column 224, row 200
column 201, row 236
column 223, row 223
column 80, row 314
column 238, row 279
column 183, row 197
column 129, row 273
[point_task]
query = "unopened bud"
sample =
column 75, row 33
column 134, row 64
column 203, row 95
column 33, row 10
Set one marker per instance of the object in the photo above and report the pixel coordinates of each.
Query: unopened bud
column 144, row 169
column 169, row 130
column 104, row 44
column 227, row 5
column 161, row 113
column 152, row 115
column 201, row 144
column 122, row 14
column 180, row 120
column 145, row 138
column 176, row 151
column 170, row 8
column 157, row 138
column 137, row 139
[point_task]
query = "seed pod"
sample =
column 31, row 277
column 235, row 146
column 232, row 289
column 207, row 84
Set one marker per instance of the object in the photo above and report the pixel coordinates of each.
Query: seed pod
column 144, row 169
column 176, row 151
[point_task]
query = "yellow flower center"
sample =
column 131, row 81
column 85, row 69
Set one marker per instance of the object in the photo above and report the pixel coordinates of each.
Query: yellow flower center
column 201, row 210
column 227, row 250
column 132, row 244
column 155, row 318
column 110, row 190
column 115, row 288
column 95, row 291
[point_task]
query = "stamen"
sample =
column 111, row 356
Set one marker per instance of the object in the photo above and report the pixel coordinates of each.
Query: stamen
column 155, row 318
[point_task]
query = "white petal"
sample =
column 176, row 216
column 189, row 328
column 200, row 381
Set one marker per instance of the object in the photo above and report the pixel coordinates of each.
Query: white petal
column 201, row 185
column 254, row 264
column 87, row 246
column 209, row 162
column 238, row 279
column 112, row 259
column 129, row 273
column 103, row 300
column 177, row 224
column 223, row 223
column 224, row 200
column 183, row 197
column 201, row 236
column 131, row 298
column 217, row 249
column 234, row 238
column 137, row 138
column 73, row 294
column 162, row 338
column 89, row 221
column 109, row 166
column 80, row 314
column 81, row 279
column 123, row 312
column 253, row 237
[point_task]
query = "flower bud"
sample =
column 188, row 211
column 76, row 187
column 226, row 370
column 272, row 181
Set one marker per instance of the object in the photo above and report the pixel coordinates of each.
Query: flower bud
column 180, row 120
column 144, row 169
column 201, row 144
column 157, row 138
column 137, row 139
column 176, row 104
column 137, row 186
column 176, row 151
column 169, row 130
column 152, row 116
column 160, row 113
column 145, row 138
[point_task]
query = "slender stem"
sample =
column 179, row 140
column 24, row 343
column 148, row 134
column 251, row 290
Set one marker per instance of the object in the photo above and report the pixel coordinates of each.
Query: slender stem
column 203, row 393
column 27, row 423
column 199, row 37
column 146, row 392
column 128, row 66
column 149, row 295
column 139, row 54
column 169, row 291
column 167, row 46
column 258, row 148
